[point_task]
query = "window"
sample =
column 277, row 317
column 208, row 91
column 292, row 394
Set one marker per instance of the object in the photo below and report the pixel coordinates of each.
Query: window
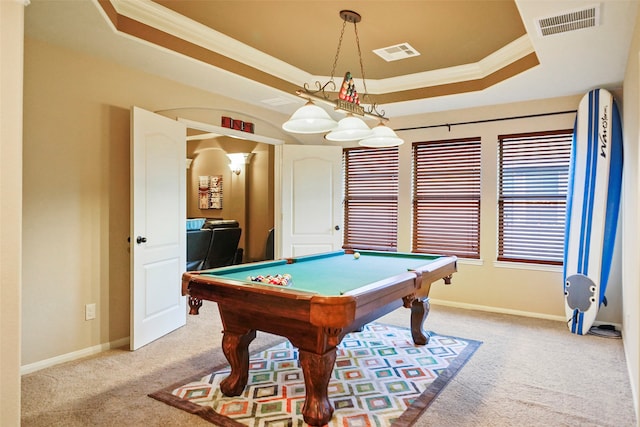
column 533, row 178
column 446, row 197
column 371, row 198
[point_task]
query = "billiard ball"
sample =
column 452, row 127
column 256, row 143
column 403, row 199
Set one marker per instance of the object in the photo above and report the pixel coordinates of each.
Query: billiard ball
column 356, row 255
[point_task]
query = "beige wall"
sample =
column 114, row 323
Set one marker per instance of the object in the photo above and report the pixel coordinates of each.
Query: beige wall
column 631, row 214
column 76, row 198
column 260, row 206
column 11, row 53
column 76, row 194
column 486, row 284
column 209, row 162
column 247, row 197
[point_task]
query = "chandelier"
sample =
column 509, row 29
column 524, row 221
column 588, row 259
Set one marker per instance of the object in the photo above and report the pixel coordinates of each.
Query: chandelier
column 312, row 119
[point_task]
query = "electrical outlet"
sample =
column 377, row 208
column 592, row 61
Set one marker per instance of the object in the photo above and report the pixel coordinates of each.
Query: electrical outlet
column 89, row 311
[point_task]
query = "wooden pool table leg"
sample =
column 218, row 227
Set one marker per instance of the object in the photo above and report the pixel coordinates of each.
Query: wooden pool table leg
column 317, row 368
column 419, row 311
column 194, row 305
column 236, row 349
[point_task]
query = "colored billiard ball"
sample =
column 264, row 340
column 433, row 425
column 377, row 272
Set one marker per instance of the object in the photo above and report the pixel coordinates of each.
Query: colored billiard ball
column 356, row 255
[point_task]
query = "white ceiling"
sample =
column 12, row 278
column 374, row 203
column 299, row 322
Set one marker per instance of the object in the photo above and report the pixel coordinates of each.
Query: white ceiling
column 571, row 63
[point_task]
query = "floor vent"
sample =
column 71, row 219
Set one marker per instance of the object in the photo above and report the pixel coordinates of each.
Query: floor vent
column 570, row 21
column 396, row 52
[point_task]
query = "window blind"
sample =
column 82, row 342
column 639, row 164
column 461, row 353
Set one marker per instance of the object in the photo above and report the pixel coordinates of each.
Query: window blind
column 371, row 198
column 533, row 179
column 446, row 197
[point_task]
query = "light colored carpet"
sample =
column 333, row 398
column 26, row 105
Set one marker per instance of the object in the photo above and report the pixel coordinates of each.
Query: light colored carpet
column 528, row 372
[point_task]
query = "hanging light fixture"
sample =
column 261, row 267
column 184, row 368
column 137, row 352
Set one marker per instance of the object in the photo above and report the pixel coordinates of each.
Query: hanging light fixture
column 311, row 119
column 349, row 129
column 382, row 136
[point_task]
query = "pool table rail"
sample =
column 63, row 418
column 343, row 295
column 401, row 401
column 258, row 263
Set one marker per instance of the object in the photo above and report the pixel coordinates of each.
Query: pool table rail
column 442, row 268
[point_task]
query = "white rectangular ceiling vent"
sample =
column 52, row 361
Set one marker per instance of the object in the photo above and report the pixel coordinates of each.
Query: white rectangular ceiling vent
column 396, row 52
column 570, row 21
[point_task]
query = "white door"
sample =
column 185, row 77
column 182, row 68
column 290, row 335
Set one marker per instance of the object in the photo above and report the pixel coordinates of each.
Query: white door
column 158, row 216
column 310, row 199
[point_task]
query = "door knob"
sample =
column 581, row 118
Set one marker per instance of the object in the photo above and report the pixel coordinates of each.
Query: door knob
column 141, row 239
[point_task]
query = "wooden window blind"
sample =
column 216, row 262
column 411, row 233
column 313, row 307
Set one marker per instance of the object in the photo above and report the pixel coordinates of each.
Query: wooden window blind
column 446, row 197
column 371, row 198
column 533, row 179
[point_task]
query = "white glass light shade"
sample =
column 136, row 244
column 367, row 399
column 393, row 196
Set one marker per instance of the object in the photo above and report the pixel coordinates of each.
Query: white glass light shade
column 349, row 129
column 383, row 136
column 309, row 119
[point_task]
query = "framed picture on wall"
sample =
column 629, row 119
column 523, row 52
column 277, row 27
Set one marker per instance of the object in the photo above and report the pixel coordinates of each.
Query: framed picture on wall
column 210, row 192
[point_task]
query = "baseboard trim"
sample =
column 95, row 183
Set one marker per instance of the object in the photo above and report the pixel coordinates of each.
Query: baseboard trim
column 47, row 363
column 512, row 312
column 629, row 353
column 491, row 309
column 75, row 355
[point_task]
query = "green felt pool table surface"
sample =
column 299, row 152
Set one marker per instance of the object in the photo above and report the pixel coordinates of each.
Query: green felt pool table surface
column 331, row 274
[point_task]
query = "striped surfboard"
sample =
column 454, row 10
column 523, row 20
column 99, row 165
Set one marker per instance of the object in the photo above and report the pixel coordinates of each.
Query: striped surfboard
column 593, row 204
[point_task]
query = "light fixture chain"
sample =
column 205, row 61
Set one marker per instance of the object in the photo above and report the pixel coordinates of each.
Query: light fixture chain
column 373, row 107
column 311, row 119
column 364, row 80
column 335, row 60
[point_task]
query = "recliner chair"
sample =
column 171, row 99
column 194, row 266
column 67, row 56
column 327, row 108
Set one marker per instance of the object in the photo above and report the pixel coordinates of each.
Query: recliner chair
column 223, row 247
column 198, row 242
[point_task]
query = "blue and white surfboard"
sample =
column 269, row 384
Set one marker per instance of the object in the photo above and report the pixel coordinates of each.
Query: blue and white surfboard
column 593, row 204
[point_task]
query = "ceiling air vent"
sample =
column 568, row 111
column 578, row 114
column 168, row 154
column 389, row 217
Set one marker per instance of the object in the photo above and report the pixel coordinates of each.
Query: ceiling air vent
column 570, row 21
column 396, row 52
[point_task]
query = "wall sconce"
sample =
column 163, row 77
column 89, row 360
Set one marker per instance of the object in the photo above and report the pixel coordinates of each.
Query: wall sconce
column 238, row 160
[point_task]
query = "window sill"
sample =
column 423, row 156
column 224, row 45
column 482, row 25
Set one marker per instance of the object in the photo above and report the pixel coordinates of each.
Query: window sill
column 528, row 266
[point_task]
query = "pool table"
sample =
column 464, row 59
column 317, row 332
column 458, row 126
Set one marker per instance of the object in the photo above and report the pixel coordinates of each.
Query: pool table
column 329, row 295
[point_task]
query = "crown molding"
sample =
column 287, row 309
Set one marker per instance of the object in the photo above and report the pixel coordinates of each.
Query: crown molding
column 161, row 18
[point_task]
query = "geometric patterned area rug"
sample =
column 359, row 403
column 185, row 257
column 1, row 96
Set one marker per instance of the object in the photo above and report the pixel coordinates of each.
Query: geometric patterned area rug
column 380, row 379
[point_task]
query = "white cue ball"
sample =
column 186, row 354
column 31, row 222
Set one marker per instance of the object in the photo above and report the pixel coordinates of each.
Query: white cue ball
column 356, row 255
